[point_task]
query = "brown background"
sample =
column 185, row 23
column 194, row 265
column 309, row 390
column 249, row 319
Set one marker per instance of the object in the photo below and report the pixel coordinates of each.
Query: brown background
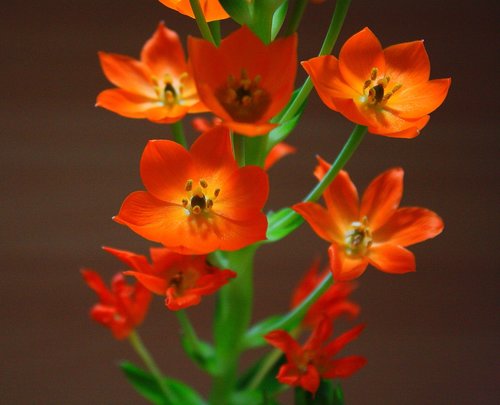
column 66, row 167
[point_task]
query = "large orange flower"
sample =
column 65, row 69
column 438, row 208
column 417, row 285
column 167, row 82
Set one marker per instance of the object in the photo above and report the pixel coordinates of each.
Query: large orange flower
column 212, row 10
column 244, row 81
column 182, row 279
column 197, row 201
column 159, row 87
column 387, row 90
column 375, row 231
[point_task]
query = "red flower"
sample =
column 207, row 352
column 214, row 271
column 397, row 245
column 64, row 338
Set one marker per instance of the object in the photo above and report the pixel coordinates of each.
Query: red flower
column 244, row 81
column 120, row 308
column 388, row 90
column 159, row 87
column 375, row 231
column 332, row 304
column 212, row 10
column 197, row 201
column 183, row 280
column 307, row 364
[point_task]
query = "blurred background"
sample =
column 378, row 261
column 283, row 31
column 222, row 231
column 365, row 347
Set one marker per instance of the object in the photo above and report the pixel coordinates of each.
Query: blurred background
column 431, row 336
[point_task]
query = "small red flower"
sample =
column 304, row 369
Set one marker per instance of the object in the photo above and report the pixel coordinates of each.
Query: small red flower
column 121, row 308
column 158, row 87
column 197, row 201
column 212, row 10
column 307, row 364
column 374, row 231
column 183, row 280
column 332, row 304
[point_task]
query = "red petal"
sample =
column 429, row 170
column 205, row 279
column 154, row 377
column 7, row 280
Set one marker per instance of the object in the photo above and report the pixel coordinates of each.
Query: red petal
column 154, row 284
column 95, row 282
column 283, row 341
column 320, row 220
column 391, row 258
column 135, row 261
column 340, row 342
column 278, row 152
column 344, row 367
column 344, row 267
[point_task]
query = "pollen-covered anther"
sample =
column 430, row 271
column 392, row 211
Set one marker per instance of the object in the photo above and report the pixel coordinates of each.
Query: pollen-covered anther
column 373, row 74
column 189, row 185
column 216, row 192
column 203, row 183
column 185, row 202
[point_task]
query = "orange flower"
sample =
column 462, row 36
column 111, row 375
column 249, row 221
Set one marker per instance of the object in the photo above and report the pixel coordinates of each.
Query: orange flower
column 182, row 279
column 375, row 231
column 212, row 10
column 244, row 81
column 159, row 87
column 332, row 304
column 120, row 309
column 387, row 90
column 307, row 364
column 197, row 201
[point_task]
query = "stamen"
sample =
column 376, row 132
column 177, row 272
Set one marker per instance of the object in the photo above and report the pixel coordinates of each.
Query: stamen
column 396, row 87
column 203, row 183
column 210, row 203
column 367, row 83
column 184, row 202
column 189, row 185
column 374, row 73
column 196, row 210
column 216, row 192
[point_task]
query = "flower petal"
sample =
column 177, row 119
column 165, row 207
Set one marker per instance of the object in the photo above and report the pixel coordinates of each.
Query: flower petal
column 407, row 63
column 212, row 10
column 95, row 282
column 391, row 258
column 340, row 342
column 126, row 104
column 278, row 151
column 410, row 225
column 320, row 220
column 283, row 341
column 133, row 260
column 154, row 284
column 344, row 267
column 344, row 367
column 381, row 199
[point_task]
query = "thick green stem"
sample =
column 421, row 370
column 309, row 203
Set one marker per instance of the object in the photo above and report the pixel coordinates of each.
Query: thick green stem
column 201, row 21
column 297, row 13
column 178, row 132
column 149, row 362
column 338, row 18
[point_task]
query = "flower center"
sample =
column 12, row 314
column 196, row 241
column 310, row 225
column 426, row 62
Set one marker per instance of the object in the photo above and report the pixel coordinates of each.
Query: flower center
column 243, row 99
column 375, row 90
column 358, row 238
column 199, row 197
column 170, row 91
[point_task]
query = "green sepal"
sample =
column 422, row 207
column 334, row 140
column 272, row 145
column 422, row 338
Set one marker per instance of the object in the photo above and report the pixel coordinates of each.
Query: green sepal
column 146, row 385
column 279, row 19
column 239, row 10
column 328, row 393
column 282, row 223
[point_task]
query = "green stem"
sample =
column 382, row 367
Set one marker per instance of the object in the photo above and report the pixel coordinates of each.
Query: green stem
column 148, row 360
column 255, row 149
column 239, row 149
column 202, row 23
column 215, row 29
column 178, row 132
column 336, row 23
column 296, row 17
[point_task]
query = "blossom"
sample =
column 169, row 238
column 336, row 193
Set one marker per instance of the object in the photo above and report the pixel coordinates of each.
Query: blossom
column 375, row 231
column 277, row 152
column 333, row 303
column 121, row 308
column 212, row 10
column 182, row 279
column 158, row 87
column 197, row 201
column 388, row 90
column 244, row 81
column 307, row 364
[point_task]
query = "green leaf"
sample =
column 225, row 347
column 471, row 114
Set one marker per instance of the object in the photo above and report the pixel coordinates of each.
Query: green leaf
column 239, row 10
column 328, row 393
column 201, row 353
column 279, row 18
column 282, row 223
column 146, row 385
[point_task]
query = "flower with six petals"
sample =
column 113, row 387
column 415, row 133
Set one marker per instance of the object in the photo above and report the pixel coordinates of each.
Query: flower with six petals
column 159, row 87
column 388, row 90
column 374, row 231
column 212, row 10
column 121, row 308
column 197, row 201
column 182, row 279
column 244, row 81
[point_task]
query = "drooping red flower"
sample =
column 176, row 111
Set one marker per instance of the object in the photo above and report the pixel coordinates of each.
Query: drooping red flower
column 244, row 81
column 374, row 231
column 212, row 10
column 121, row 308
column 332, row 304
column 308, row 364
column 388, row 90
column 182, row 279
column 197, row 201
column 158, row 87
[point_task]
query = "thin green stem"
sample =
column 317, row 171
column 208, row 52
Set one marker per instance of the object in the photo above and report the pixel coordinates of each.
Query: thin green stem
column 148, row 360
column 187, row 328
column 215, row 29
column 178, row 132
column 239, row 149
column 201, row 21
column 332, row 34
column 267, row 365
column 297, row 13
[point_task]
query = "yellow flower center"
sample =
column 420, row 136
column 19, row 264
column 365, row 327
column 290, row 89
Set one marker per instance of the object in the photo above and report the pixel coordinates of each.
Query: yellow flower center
column 243, row 98
column 199, row 197
column 375, row 90
column 169, row 90
column 358, row 238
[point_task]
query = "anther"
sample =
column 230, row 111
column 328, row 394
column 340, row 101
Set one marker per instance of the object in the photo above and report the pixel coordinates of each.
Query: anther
column 210, row 203
column 196, row 210
column 374, row 73
column 216, row 192
column 184, row 202
column 396, row 88
column 203, row 183
column 189, row 185
column 367, row 83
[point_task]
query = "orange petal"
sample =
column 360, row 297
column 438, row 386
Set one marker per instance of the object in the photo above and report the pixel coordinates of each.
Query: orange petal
column 165, row 168
column 249, row 129
column 407, row 63
column 419, row 100
column 134, row 261
column 212, row 10
column 410, row 225
column 128, row 74
column 381, row 199
column 163, row 53
column 391, row 258
column 154, row 284
column 278, row 152
column 359, row 55
column 409, row 133
column 126, row 104
column 320, row 220
column 176, row 302
column 230, row 234
column 344, row 267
